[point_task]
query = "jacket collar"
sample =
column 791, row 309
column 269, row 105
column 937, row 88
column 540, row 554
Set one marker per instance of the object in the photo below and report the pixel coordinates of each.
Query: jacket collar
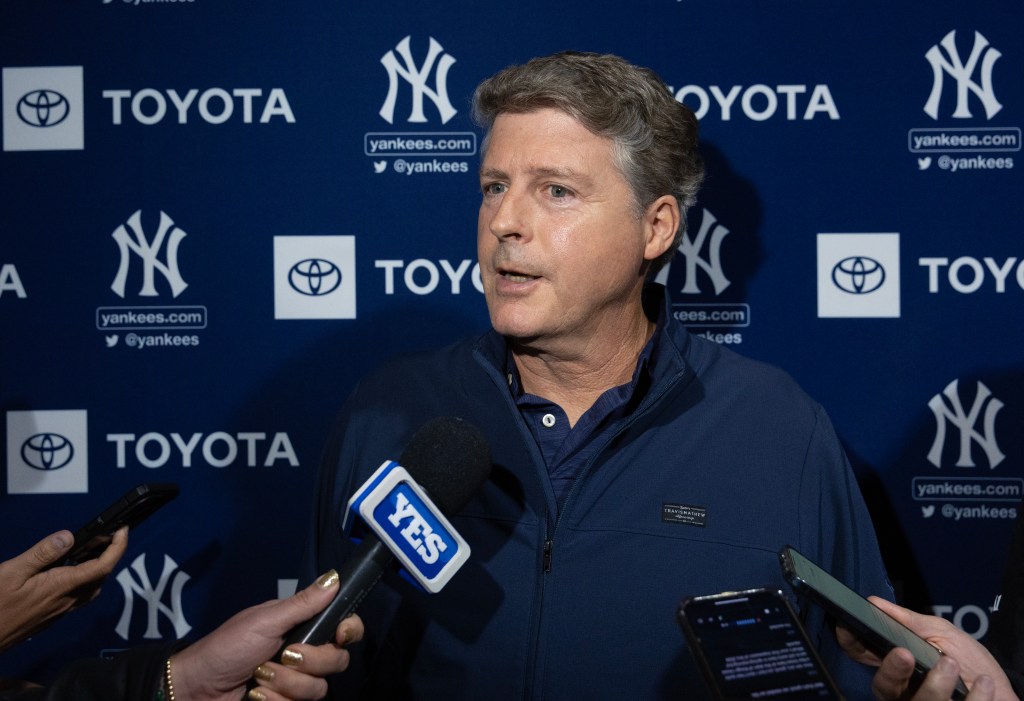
column 669, row 358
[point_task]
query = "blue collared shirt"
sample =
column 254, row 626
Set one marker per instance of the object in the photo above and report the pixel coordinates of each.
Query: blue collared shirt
column 566, row 450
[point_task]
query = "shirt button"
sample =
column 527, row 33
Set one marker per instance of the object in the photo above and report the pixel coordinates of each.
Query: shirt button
column 548, row 420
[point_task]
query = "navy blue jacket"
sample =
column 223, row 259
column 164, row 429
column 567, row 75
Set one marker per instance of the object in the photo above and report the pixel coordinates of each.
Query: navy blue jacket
column 582, row 606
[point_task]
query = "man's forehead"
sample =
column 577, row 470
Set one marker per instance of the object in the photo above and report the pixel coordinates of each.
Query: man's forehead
column 548, row 142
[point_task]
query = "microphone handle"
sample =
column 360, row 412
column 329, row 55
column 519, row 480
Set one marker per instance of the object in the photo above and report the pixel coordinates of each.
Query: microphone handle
column 358, row 575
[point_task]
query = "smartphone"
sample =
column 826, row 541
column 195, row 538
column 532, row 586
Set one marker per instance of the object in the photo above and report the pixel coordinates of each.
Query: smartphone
column 879, row 631
column 750, row 645
column 131, row 509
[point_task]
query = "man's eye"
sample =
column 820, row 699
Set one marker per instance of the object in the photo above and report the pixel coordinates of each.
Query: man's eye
column 494, row 188
column 559, row 191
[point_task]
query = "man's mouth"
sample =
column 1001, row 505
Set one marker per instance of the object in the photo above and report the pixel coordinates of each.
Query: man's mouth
column 516, row 276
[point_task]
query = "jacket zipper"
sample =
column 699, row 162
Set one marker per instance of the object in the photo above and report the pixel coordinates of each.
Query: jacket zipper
column 549, row 541
column 641, row 410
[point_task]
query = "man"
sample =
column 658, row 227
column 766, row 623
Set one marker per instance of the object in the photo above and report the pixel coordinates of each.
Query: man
column 633, row 464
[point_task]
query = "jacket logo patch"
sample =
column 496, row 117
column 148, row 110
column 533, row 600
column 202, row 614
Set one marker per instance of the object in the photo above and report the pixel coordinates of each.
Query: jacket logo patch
column 684, row 514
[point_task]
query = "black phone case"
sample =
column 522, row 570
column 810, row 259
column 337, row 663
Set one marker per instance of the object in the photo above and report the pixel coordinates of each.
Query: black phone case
column 875, row 642
column 697, row 648
column 131, row 509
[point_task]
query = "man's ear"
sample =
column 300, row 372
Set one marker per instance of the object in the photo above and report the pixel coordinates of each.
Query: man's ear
column 661, row 222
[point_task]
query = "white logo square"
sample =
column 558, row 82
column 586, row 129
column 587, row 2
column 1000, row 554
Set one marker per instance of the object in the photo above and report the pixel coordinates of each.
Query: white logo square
column 47, row 452
column 314, row 277
column 859, row 275
column 43, row 109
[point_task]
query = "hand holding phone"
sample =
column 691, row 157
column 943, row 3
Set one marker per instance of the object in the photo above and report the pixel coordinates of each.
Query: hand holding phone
column 750, row 645
column 133, row 507
column 877, row 630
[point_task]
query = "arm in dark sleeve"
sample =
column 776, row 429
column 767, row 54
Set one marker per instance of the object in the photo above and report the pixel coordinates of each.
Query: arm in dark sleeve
column 840, row 536
column 133, row 675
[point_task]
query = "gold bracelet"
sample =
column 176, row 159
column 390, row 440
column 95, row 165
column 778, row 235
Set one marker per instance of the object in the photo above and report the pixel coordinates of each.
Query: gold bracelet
column 168, row 681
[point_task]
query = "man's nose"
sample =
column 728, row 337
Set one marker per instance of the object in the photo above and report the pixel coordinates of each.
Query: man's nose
column 507, row 220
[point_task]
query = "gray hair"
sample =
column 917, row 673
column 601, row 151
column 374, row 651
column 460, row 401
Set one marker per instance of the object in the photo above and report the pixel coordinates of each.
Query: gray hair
column 654, row 136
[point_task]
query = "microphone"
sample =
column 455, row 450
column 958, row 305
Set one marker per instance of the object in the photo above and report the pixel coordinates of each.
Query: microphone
column 448, row 458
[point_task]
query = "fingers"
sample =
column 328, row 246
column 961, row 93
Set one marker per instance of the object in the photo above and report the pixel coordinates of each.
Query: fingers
column 938, row 685
column 323, row 660
column 903, row 615
column 313, row 598
column 98, row 568
column 349, row 630
column 262, row 693
column 110, row 557
column 893, row 676
column 326, row 659
column 287, row 681
column 853, row 647
column 932, row 628
column 300, row 673
column 316, row 660
column 984, row 689
column 302, row 670
column 279, row 617
column 47, row 551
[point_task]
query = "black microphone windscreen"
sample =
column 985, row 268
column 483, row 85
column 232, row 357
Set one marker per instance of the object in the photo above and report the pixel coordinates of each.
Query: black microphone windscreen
column 450, row 458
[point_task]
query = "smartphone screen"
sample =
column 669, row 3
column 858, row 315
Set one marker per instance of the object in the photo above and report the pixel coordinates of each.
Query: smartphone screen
column 879, row 631
column 750, row 645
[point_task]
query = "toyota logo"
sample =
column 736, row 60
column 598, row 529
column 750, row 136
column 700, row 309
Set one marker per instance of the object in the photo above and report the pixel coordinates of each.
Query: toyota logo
column 47, row 451
column 858, row 275
column 43, row 108
column 314, row 277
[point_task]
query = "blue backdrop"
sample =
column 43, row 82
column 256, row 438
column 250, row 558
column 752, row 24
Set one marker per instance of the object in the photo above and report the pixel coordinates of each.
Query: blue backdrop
column 218, row 215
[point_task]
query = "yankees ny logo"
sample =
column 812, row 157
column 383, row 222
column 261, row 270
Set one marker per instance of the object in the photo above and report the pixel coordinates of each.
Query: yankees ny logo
column 148, row 252
column 966, row 422
column 417, row 79
column 691, row 249
column 962, row 73
column 153, row 596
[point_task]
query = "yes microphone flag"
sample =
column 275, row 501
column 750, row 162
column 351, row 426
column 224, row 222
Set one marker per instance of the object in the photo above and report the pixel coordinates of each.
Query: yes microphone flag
column 401, row 514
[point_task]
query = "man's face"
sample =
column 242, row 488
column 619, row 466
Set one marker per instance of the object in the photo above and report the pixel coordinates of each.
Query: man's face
column 561, row 248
